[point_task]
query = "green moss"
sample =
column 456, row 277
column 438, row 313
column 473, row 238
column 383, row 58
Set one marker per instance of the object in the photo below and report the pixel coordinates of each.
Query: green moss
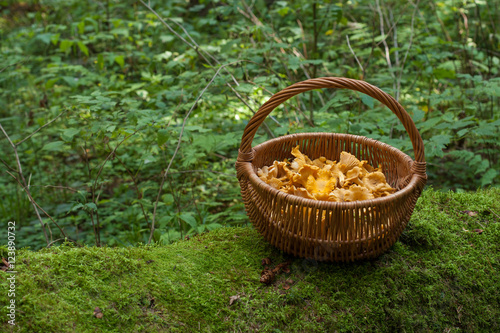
column 440, row 276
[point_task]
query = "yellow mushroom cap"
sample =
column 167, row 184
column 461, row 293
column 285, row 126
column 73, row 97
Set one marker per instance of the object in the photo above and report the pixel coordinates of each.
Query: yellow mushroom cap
column 276, row 183
column 372, row 180
column 304, row 173
column 337, row 195
column 319, row 162
column 357, row 193
column 302, row 192
column 300, row 159
column 348, row 160
column 367, row 167
column 355, row 175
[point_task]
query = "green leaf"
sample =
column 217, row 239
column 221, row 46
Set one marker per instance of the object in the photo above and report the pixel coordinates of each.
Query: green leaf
column 170, row 236
column 283, row 11
column 462, row 132
column 100, row 61
column 55, row 39
column 436, row 144
column 83, row 48
column 76, row 207
column 483, row 166
column 367, row 100
column 91, row 206
column 54, row 146
column 429, row 124
column 167, row 199
column 488, row 177
column 50, row 83
column 44, row 37
column 293, row 62
column 212, row 226
column 189, row 219
column 81, row 27
column 164, row 221
column 68, row 134
column 120, row 60
column 163, row 136
column 65, row 45
column 245, row 88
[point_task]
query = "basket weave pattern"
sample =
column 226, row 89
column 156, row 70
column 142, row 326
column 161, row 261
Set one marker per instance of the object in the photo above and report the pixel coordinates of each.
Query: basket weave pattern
column 324, row 230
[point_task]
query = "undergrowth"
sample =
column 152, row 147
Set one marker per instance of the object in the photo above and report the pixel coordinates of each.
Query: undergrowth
column 106, row 88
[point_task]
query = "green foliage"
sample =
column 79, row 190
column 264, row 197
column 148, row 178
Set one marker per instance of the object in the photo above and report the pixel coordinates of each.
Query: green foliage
column 440, row 276
column 127, row 83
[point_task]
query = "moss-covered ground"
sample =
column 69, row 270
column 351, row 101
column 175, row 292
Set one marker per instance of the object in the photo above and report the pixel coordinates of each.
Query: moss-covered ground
column 441, row 276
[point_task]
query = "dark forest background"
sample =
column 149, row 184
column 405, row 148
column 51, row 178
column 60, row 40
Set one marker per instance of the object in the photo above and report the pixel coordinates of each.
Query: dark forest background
column 117, row 114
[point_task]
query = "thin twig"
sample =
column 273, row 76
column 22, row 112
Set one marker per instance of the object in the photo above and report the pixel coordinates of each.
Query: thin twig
column 65, row 239
column 22, row 182
column 33, row 202
column 382, row 33
column 8, row 166
column 39, row 128
column 178, row 146
column 411, row 39
column 17, row 62
column 204, row 170
column 492, row 212
column 58, row 187
column 96, row 231
column 393, row 25
column 354, row 54
column 176, row 109
column 84, row 148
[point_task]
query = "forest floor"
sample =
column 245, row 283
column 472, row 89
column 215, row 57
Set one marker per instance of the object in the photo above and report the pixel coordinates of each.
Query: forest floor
column 442, row 275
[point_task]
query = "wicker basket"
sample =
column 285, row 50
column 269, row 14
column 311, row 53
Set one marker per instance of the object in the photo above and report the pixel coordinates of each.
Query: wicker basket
column 324, row 230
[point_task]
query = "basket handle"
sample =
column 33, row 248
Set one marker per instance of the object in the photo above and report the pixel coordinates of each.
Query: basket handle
column 246, row 153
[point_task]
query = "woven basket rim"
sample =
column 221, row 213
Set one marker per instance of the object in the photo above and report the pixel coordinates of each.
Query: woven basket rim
column 254, row 178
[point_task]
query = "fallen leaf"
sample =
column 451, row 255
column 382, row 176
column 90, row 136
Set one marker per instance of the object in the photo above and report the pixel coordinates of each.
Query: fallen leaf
column 266, row 261
column 6, row 264
column 98, row 313
column 286, row 286
column 479, row 231
column 233, row 299
column 267, row 276
column 468, row 212
column 289, row 281
column 283, row 266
